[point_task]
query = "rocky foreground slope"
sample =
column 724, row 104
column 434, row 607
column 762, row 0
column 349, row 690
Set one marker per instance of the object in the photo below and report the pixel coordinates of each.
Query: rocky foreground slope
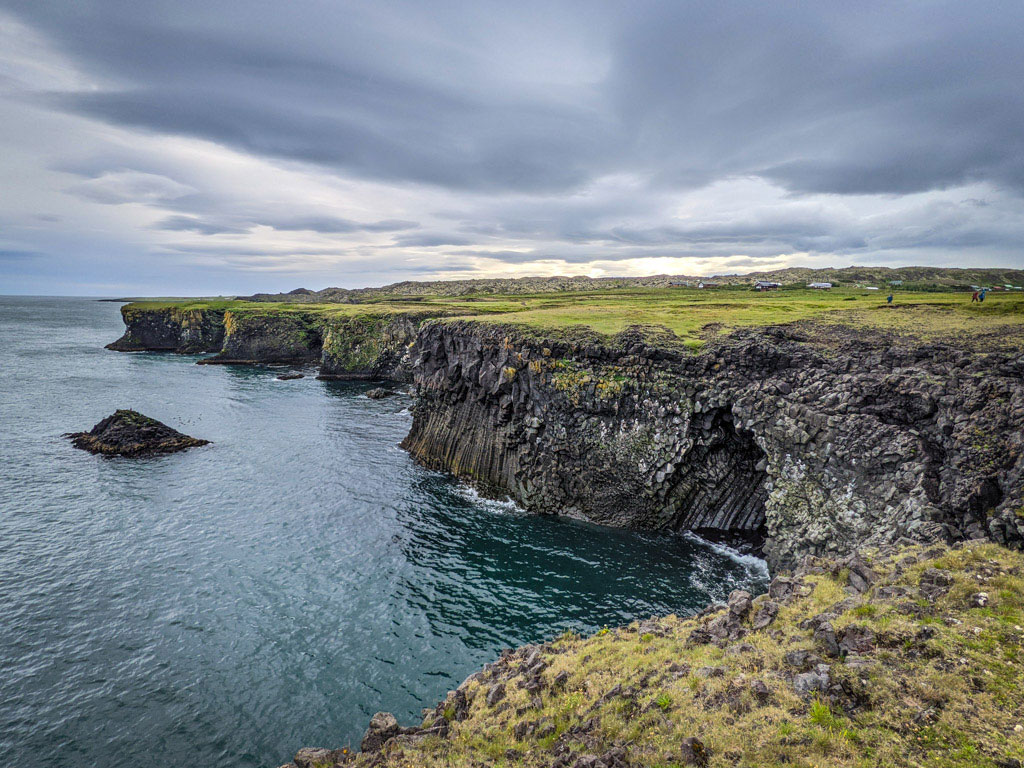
column 912, row 658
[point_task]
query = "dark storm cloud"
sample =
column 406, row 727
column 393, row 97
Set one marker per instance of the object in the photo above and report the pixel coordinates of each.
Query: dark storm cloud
column 822, row 97
column 365, row 135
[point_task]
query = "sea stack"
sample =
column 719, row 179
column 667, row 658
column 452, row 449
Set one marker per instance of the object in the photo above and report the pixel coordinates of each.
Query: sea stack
column 129, row 433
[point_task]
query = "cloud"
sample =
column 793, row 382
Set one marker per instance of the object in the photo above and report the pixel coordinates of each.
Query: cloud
column 432, row 240
column 335, row 225
column 128, row 186
column 342, row 140
column 821, row 98
column 203, row 227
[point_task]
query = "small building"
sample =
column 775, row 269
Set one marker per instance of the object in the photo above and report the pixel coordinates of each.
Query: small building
column 895, row 282
column 870, row 287
column 766, row 285
column 707, row 284
column 820, row 286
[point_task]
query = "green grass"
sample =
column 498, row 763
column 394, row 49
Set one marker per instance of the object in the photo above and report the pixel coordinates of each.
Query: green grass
column 692, row 315
column 951, row 697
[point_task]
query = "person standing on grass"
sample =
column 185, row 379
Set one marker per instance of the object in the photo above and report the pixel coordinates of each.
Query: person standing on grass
column 974, row 297
column 981, row 296
column 888, row 299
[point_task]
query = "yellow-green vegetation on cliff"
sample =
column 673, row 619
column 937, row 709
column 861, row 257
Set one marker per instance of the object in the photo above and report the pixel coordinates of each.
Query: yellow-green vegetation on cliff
column 691, row 315
column 913, row 659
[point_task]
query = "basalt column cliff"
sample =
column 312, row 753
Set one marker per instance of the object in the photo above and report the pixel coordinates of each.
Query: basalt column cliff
column 821, row 449
column 812, row 440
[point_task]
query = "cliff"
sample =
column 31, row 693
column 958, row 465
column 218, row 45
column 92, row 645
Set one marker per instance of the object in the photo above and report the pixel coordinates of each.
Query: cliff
column 906, row 658
column 800, row 439
column 852, row 455
column 369, row 343
column 252, row 336
column 371, row 346
column 170, row 328
column 821, row 443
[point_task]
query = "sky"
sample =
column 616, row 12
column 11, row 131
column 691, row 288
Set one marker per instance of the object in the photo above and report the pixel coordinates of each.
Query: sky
column 187, row 147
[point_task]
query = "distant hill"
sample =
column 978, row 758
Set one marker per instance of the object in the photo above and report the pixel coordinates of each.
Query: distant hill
column 919, row 278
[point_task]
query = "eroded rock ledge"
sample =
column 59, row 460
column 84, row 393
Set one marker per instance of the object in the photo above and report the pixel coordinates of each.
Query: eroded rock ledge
column 821, row 448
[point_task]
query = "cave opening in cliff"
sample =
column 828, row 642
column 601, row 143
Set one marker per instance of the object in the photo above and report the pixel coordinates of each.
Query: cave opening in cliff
column 720, row 488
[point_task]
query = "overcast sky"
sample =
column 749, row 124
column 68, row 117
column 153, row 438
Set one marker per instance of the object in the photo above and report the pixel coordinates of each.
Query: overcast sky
column 223, row 146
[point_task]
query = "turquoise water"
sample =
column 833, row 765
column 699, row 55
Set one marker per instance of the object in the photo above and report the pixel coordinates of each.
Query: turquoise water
column 227, row 605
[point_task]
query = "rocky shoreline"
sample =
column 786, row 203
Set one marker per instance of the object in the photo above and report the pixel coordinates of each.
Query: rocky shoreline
column 880, row 660
column 822, row 442
column 818, row 442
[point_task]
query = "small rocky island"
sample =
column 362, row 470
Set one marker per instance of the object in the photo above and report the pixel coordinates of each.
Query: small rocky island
column 129, row 433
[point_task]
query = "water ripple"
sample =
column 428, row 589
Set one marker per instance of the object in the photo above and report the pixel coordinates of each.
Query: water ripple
column 274, row 589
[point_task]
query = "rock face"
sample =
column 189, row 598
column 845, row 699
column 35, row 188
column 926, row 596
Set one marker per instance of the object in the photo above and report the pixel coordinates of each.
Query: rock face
column 170, row 329
column 129, row 433
column 813, row 444
column 822, row 450
column 349, row 347
column 370, row 347
column 260, row 337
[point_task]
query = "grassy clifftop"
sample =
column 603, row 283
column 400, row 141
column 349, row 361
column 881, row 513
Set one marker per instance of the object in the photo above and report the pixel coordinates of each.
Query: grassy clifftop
column 693, row 315
column 914, row 659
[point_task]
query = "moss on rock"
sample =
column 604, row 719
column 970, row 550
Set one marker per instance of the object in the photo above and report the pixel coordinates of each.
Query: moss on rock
column 909, row 659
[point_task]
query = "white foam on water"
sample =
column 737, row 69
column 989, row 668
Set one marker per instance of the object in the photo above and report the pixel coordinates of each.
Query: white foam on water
column 754, row 564
column 469, row 493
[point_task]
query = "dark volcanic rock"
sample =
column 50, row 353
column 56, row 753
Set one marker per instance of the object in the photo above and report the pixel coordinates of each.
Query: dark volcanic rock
column 378, row 393
column 824, row 443
column 290, row 376
column 170, row 329
column 129, row 433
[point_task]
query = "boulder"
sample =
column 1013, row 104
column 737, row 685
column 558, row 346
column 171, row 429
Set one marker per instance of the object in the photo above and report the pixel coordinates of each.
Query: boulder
column 383, row 726
column 935, row 583
column 318, row 757
column 808, row 683
column 129, row 433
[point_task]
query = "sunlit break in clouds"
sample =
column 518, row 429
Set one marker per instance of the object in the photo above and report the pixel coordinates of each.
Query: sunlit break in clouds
column 182, row 147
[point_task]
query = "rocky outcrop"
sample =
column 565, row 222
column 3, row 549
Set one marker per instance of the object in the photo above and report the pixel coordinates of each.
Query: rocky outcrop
column 888, row 656
column 812, row 443
column 362, row 346
column 129, row 433
column 252, row 336
column 368, row 345
column 170, row 329
column 822, row 449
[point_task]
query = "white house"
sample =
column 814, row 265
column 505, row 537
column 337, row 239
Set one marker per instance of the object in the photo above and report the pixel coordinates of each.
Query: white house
column 820, row 286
